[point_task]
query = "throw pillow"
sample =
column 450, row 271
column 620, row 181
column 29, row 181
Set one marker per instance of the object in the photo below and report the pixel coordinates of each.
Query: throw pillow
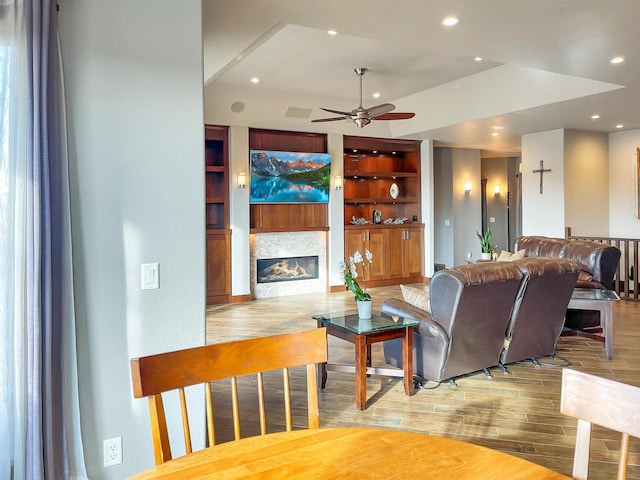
column 510, row 257
column 416, row 297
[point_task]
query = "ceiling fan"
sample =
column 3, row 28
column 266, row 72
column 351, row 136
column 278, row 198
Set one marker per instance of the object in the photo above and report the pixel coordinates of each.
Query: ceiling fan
column 362, row 116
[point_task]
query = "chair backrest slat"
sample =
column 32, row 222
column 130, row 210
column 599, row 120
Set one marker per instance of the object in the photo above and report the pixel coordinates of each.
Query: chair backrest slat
column 186, row 432
column 211, row 433
column 155, row 374
column 261, row 405
column 235, row 408
column 596, row 400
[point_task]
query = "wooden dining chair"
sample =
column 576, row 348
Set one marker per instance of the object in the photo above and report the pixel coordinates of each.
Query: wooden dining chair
column 596, row 400
column 154, row 374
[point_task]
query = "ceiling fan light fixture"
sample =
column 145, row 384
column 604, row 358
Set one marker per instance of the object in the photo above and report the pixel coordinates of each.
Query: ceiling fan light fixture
column 362, row 116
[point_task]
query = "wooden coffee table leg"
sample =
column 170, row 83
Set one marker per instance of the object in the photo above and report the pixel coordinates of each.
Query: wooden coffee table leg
column 407, row 360
column 361, row 371
column 606, row 321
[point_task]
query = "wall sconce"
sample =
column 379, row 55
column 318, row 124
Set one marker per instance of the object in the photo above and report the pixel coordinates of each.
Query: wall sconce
column 242, row 180
column 337, row 182
column 496, row 190
column 467, row 186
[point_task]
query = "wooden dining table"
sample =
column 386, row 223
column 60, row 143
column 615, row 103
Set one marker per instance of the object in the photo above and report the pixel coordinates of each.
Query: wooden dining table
column 348, row 453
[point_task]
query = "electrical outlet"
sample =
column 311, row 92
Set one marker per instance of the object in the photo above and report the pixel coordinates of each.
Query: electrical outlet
column 112, row 449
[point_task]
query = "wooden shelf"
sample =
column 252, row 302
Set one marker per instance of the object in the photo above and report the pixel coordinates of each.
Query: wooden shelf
column 288, row 229
column 374, row 201
column 218, row 233
column 371, row 168
column 391, row 175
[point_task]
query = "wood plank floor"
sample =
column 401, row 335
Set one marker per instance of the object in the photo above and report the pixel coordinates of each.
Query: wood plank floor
column 516, row 413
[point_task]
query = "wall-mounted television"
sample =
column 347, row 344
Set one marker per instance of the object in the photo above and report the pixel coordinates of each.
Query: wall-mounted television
column 289, row 177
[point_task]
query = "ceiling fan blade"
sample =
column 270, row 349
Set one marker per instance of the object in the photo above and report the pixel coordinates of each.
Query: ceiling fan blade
column 380, row 109
column 396, row 116
column 346, row 114
column 333, row 119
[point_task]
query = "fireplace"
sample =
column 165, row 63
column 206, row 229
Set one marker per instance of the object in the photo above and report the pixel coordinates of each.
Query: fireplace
column 287, row 269
column 268, row 249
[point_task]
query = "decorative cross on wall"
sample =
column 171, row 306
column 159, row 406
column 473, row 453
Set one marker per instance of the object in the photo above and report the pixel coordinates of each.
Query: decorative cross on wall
column 541, row 171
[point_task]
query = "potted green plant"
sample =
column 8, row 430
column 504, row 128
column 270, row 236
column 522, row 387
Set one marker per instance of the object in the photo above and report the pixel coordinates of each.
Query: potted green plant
column 485, row 244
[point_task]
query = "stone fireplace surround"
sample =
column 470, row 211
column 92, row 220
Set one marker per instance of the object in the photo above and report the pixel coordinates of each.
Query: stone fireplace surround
column 288, row 244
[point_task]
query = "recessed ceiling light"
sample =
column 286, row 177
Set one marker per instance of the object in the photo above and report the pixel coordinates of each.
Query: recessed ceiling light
column 332, row 32
column 376, row 95
column 595, row 116
column 375, row 151
column 255, row 80
column 478, row 59
column 393, row 153
column 355, row 151
column 618, row 59
column 450, row 21
column 495, row 134
column 619, row 126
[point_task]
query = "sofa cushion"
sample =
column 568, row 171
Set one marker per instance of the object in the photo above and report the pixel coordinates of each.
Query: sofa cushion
column 416, row 297
column 506, row 256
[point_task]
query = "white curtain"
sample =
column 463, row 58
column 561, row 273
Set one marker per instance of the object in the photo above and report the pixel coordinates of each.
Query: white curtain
column 40, row 434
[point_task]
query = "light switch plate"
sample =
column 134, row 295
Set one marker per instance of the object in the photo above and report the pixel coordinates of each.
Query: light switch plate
column 150, row 276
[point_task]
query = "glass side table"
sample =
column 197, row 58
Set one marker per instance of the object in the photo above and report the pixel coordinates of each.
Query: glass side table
column 602, row 301
column 363, row 333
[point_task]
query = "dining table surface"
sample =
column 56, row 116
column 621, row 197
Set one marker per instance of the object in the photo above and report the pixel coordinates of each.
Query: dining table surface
column 349, row 453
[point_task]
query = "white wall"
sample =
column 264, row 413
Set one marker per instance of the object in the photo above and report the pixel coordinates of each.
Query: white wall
column 543, row 214
column 586, row 186
column 336, row 210
column 467, row 209
column 623, row 210
column 239, row 211
column 133, row 75
column 427, row 186
column 443, row 206
column 453, row 242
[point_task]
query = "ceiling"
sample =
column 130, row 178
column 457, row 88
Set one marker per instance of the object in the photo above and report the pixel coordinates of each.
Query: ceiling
column 545, row 65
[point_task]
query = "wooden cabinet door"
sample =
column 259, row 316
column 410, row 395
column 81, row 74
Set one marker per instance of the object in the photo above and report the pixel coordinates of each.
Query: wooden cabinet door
column 373, row 240
column 405, row 256
column 412, row 252
column 376, row 242
column 395, row 252
column 218, row 264
column 354, row 240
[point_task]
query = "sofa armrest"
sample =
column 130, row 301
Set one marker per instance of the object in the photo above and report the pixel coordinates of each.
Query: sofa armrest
column 428, row 326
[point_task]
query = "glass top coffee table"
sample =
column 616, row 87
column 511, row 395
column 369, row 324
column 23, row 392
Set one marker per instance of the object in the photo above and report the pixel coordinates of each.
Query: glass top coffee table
column 362, row 333
column 602, row 301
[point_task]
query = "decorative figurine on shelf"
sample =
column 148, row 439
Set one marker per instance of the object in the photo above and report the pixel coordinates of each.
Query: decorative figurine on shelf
column 377, row 216
column 359, row 220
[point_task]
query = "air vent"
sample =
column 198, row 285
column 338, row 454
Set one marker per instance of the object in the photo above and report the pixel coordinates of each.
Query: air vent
column 296, row 112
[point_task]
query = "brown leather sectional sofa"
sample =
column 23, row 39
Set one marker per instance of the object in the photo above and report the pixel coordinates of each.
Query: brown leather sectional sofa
column 486, row 314
column 495, row 313
column 598, row 264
